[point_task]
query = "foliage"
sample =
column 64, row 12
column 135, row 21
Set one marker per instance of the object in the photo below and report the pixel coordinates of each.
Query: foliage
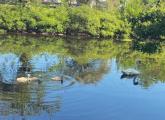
column 146, row 17
column 33, row 18
column 43, row 19
column 134, row 18
column 96, row 23
column 84, row 19
column 150, row 24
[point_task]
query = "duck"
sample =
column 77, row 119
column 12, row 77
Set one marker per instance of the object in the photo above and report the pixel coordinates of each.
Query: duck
column 130, row 72
column 26, row 79
column 58, row 78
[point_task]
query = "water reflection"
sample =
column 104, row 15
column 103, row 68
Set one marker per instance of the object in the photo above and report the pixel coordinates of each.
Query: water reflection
column 43, row 62
column 9, row 64
column 84, row 62
column 134, row 78
column 23, row 100
column 90, row 72
column 23, row 107
column 147, row 47
column 25, row 63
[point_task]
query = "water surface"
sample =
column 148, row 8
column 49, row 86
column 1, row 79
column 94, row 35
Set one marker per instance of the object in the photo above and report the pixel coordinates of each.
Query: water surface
column 94, row 89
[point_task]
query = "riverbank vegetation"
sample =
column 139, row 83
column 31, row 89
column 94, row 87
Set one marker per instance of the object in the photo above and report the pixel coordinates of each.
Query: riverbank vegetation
column 132, row 19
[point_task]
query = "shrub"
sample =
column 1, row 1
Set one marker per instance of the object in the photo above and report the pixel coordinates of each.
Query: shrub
column 33, row 18
column 96, row 23
column 147, row 18
column 113, row 26
column 49, row 19
column 10, row 18
column 83, row 19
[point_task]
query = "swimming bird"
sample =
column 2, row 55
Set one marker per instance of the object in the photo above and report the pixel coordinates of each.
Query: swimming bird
column 58, row 78
column 130, row 72
column 26, row 79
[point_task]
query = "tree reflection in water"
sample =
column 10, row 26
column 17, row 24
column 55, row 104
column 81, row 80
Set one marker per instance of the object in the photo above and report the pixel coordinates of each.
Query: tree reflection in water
column 25, row 66
column 147, row 47
column 9, row 64
column 43, row 62
column 90, row 72
column 26, row 101
column 87, row 61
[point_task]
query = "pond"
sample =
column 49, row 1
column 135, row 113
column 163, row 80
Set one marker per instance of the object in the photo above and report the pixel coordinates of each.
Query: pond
column 93, row 88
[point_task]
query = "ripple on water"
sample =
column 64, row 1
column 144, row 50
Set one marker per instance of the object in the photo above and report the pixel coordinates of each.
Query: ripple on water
column 51, row 85
column 34, row 89
column 34, row 98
